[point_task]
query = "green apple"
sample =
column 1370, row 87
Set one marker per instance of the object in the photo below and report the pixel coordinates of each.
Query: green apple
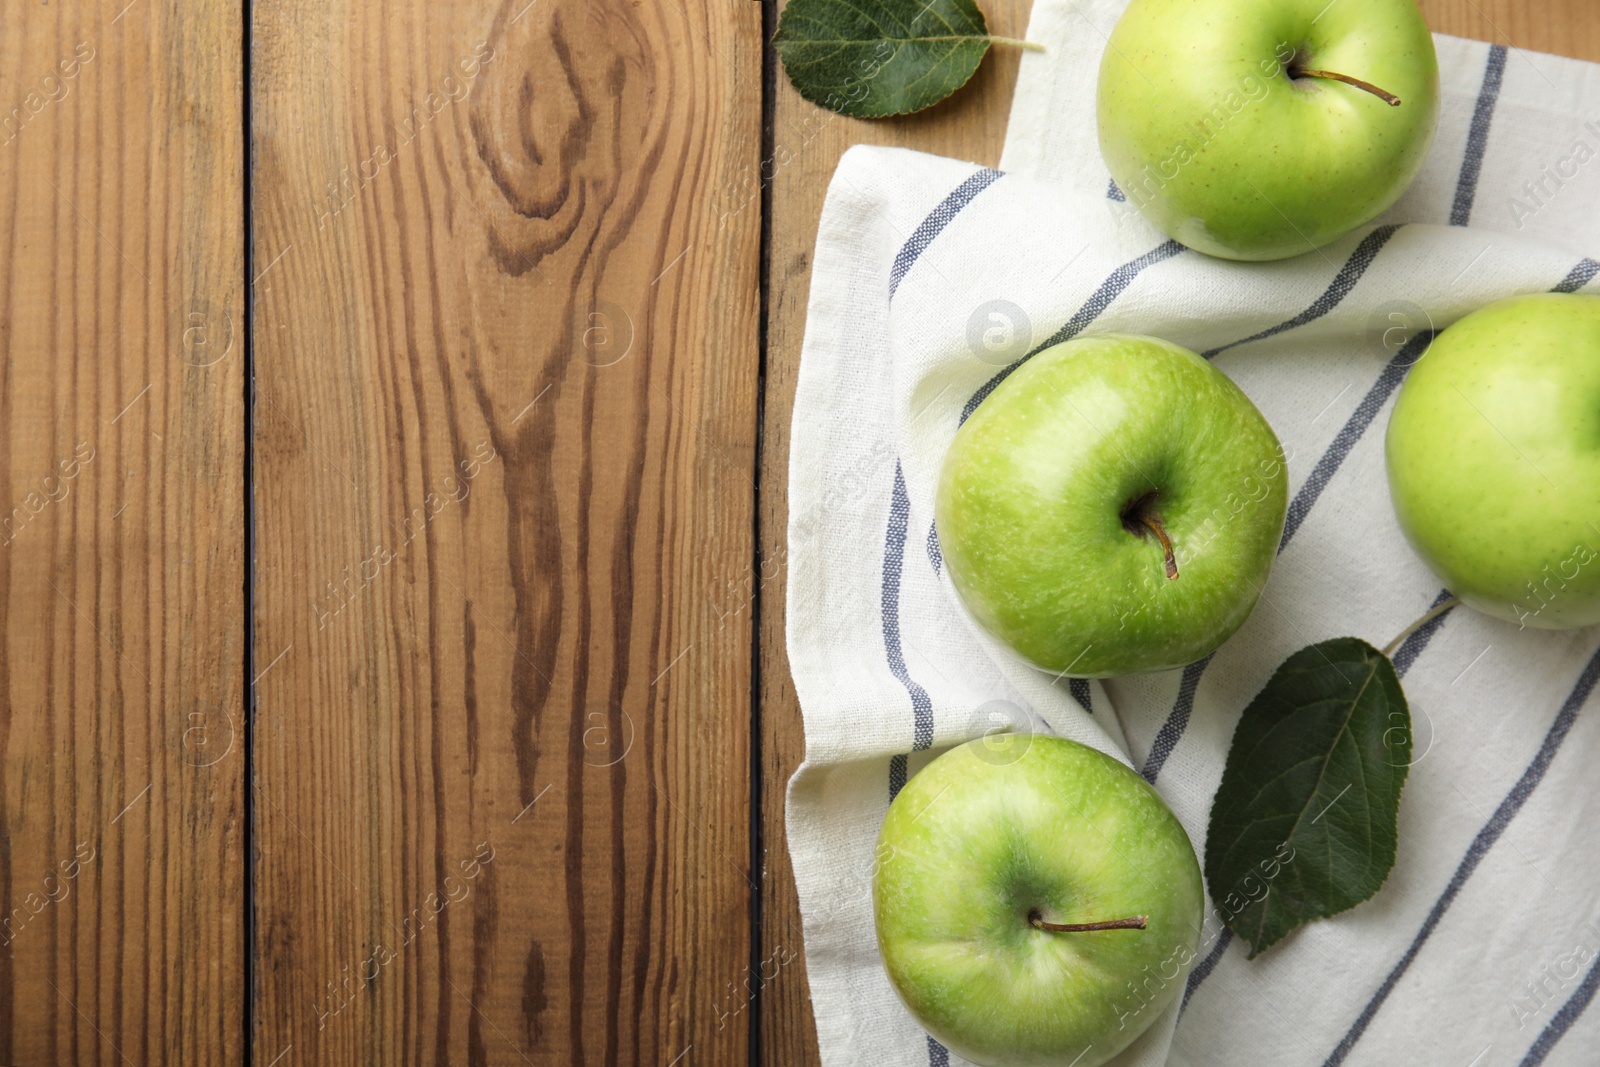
column 1114, row 506
column 1494, row 459
column 1260, row 129
column 1036, row 902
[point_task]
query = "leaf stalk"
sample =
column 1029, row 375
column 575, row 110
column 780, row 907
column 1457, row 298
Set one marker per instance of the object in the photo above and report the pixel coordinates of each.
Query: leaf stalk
column 1012, row 42
column 1427, row 617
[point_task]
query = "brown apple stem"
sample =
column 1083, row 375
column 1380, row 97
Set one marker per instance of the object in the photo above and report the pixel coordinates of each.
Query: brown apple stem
column 1153, row 524
column 1140, row 515
column 1427, row 617
column 1136, row 922
column 1387, row 97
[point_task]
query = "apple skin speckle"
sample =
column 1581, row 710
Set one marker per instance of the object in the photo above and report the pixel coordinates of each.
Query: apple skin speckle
column 1493, row 454
column 1198, row 118
column 1009, row 825
column 1034, row 489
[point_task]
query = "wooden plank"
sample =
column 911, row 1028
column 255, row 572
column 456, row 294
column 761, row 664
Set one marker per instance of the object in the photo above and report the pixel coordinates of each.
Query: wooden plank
column 807, row 144
column 121, row 548
column 505, row 439
column 1561, row 27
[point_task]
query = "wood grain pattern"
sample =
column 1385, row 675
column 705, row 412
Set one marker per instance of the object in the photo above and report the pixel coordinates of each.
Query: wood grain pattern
column 507, row 373
column 121, row 515
column 807, row 144
column 1561, row 27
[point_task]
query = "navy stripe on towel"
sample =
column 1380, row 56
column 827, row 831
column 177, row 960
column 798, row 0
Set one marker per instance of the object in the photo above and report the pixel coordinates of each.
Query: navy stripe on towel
column 897, row 776
column 1176, row 722
column 1412, row 647
column 938, row 1055
column 1203, row 969
column 1092, row 308
column 894, row 555
column 1352, row 431
column 1558, row 1026
column 1115, row 193
column 1337, row 290
column 1578, row 277
column 1480, row 847
column 1478, row 136
column 931, row 226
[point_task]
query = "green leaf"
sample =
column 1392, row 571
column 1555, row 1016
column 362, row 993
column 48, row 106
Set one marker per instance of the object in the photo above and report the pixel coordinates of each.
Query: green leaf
column 872, row 58
column 1304, row 824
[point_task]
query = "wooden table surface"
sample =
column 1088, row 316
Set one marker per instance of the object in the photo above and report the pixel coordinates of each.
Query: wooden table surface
column 394, row 400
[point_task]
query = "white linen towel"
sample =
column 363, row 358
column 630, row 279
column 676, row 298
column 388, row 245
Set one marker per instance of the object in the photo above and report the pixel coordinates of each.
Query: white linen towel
column 930, row 277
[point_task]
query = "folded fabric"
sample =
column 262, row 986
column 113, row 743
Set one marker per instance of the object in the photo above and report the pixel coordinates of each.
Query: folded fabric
column 1481, row 947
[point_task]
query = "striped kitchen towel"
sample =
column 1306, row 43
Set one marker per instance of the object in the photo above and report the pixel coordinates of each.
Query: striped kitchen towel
column 932, row 279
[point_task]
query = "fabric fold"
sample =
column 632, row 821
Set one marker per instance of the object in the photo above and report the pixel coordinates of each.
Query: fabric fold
column 932, row 280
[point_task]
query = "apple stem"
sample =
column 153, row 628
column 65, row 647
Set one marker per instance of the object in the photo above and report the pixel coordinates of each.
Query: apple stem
column 1153, row 522
column 1136, row 922
column 1427, row 617
column 1387, row 97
